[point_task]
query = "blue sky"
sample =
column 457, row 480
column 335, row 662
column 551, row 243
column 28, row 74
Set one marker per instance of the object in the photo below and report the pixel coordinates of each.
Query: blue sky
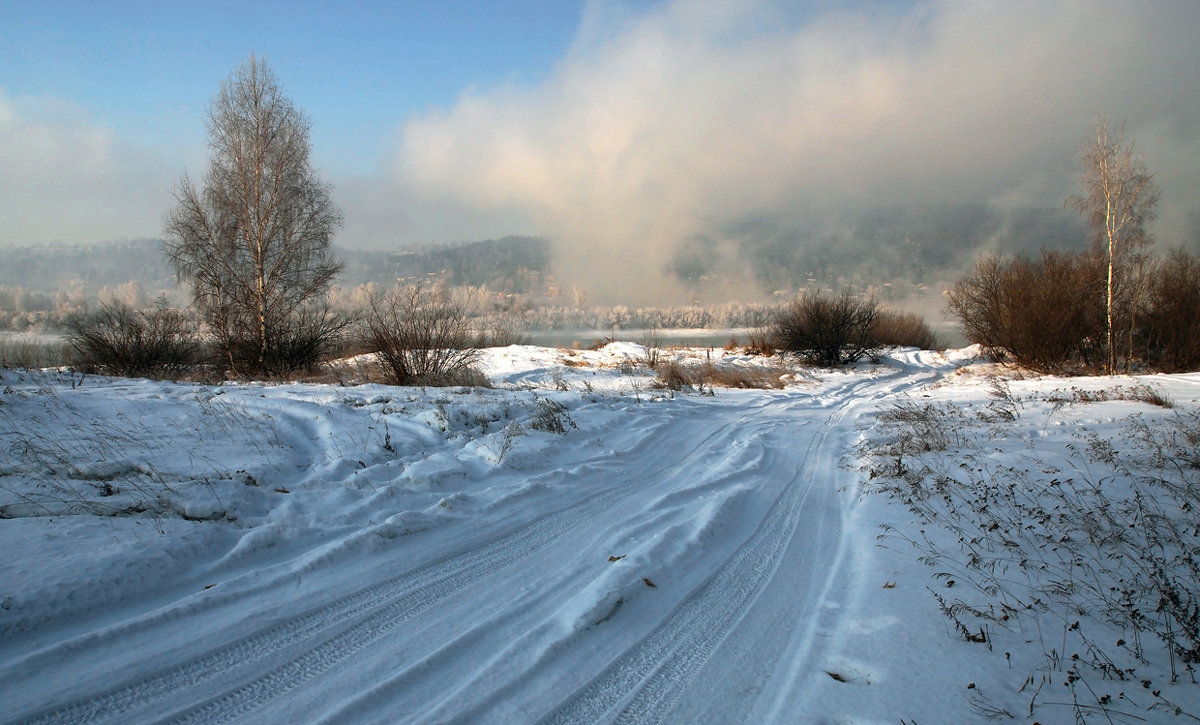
column 619, row 128
column 147, row 70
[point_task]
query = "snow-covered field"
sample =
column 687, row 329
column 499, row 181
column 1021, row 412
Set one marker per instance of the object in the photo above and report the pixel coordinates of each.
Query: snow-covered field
column 576, row 546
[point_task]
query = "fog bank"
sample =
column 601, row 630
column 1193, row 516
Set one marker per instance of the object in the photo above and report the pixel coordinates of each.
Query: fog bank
column 695, row 116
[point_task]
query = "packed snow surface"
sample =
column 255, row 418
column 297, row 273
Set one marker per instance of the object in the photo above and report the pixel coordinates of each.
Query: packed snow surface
column 573, row 545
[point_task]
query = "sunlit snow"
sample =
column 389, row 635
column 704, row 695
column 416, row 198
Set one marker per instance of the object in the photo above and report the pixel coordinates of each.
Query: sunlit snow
column 575, row 544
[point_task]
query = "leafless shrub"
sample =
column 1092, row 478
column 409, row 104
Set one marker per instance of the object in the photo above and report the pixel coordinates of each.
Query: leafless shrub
column 827, row 329
column 1049, row 313
column 1044, row 311
column 758, row 378
column 34, row 354
column 421, row 340
column 559, row 382
column 920, row 428
column 122, row 341
column 508, row 439
column 1172, row 330
column 298, row 343
column 1003, row 406
column 977, row 302
column 902, row 329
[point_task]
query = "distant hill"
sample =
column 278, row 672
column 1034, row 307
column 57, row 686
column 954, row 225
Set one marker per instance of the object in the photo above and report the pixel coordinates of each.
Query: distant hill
column 919, row 244
column 49, row 269
column 508, row 264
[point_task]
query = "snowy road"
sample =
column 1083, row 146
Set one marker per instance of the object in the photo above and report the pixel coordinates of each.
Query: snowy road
column 572, row 546
column 674, row 566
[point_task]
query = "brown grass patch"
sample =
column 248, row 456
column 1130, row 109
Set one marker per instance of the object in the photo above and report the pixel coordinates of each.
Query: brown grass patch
column 676, row 376
column 1140, row 393
column 760, row 342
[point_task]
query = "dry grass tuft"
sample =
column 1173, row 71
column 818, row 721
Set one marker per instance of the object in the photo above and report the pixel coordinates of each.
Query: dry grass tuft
column 677, row 376
column 34, row 354
column 760, row 342
column 1141, row 393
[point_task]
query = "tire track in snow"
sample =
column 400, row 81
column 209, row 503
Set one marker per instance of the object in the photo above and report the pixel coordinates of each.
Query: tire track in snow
column 499, row 658
column 320, row 659
column 397, row 598
column 643, row 683
column 378, row 609
column 644, row 678
column 345, row 626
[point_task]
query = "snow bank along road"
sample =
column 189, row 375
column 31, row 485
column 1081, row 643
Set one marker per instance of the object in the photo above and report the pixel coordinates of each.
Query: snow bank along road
column 669, row 561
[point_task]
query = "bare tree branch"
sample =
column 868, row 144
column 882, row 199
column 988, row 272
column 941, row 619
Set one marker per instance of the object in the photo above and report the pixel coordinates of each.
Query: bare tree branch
column 1119, row 199
column 254, row 240
column 420, row 339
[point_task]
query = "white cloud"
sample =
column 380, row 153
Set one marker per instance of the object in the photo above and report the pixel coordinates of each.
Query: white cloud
column 694, row 114
column 699, row 112
column 65, row 179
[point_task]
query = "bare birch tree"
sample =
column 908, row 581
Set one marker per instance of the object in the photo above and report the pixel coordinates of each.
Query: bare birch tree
column 1119, row 198
column 254, row 239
